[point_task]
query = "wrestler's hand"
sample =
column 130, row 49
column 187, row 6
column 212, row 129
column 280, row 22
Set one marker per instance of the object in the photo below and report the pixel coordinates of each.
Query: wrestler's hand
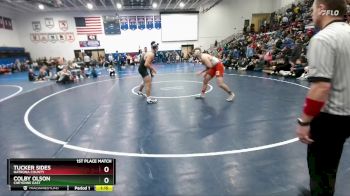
column 153, row 71
column 201, row 73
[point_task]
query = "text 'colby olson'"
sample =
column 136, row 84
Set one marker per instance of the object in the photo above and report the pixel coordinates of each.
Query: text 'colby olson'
column 30, row 179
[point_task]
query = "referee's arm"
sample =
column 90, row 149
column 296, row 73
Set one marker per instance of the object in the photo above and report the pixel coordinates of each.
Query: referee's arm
column 321, row 64
column 319, row 91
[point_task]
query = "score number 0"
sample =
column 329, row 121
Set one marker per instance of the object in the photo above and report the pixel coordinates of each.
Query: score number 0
column 106, row 179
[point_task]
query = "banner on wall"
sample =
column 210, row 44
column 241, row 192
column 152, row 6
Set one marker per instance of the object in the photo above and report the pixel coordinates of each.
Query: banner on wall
column 7, row 23
column 92, row 37
column 63, row 25
column 141, row 22
column 70, row 37
column 35, row 37
column 149, row 22
column 52, row 37
column 157, row 22
column 44, row 37
column 49, row 23
column 61, row 37
column 111, row 25
column 93, row 43
column 36, row 26
column 1, row 23
column 132, row 23
column 124, row 23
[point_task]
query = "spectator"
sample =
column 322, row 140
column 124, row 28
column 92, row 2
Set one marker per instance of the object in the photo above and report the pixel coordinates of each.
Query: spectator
column 285, row 20
column 31, row 75
column 249, row 51
column 18, row 65
column 167, row 55
column 297, row 69
column 94, row 73
column 296, row 52
column 116, row 57
column 86, row 60
column 64, row 76
column 42, row 74
column 111, row 71
column 35, row 65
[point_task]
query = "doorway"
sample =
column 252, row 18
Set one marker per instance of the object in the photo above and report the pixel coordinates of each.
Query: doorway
column 93, row 54
column 186, row 51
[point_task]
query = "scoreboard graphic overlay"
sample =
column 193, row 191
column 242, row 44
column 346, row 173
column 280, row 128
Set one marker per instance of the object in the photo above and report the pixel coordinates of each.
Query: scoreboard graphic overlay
column 81, row 174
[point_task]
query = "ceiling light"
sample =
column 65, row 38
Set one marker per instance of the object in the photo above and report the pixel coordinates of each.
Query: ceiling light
column 154, row 5
column 89, row 6
column 119, row 6
column 41, row 6
column 182, row 4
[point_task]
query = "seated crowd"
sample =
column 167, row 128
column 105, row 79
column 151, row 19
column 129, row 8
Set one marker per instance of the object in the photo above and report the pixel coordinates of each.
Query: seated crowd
column 69, row 71
column 279, row 48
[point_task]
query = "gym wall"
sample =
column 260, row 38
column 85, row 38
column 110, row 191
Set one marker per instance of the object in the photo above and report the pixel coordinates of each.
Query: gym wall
column 218, row 23
column 9, row 38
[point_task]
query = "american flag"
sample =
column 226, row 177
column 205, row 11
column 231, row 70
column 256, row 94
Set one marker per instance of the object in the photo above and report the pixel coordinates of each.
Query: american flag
column 88, row 25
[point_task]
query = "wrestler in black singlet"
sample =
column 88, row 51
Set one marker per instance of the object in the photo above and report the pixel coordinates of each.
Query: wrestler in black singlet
column 143, row 70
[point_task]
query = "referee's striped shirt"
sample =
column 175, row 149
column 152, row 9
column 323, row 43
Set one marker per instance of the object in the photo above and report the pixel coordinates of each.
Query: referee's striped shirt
column 329, row 61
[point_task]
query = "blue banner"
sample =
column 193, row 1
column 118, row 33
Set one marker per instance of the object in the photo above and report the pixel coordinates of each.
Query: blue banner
column 149, row 22
column 141, row 22
column 111, row 25
column 124, row 25
column 132, row 23
column 157, row 22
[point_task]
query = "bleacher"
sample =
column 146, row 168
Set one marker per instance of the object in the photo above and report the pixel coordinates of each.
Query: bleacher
column 8, row 57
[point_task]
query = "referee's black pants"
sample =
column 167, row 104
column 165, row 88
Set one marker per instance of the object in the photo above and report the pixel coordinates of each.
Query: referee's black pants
column 329, row 133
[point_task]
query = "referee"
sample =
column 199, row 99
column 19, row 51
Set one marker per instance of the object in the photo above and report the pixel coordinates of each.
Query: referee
column 324, row 124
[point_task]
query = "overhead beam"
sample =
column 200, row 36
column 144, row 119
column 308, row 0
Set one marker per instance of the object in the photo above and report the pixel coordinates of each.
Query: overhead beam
column 84, row 5
column 19, row 5
column 193, row 4
column 103, row 3
column 80, row 9
column 112, row 1
column 3, row 4
column 176, row 4
column 92, row 3
column 34, row 6
column 187, row 3
column 64, row 3
column 74, row 5
column 204, row 2
column 151, row 4
column 168, row 4
column 215, row 2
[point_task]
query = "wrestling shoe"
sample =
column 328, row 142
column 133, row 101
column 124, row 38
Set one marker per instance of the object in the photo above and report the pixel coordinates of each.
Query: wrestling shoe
column 151, row 100
column 201, row 96
column 231, row 97
column 139, row 93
